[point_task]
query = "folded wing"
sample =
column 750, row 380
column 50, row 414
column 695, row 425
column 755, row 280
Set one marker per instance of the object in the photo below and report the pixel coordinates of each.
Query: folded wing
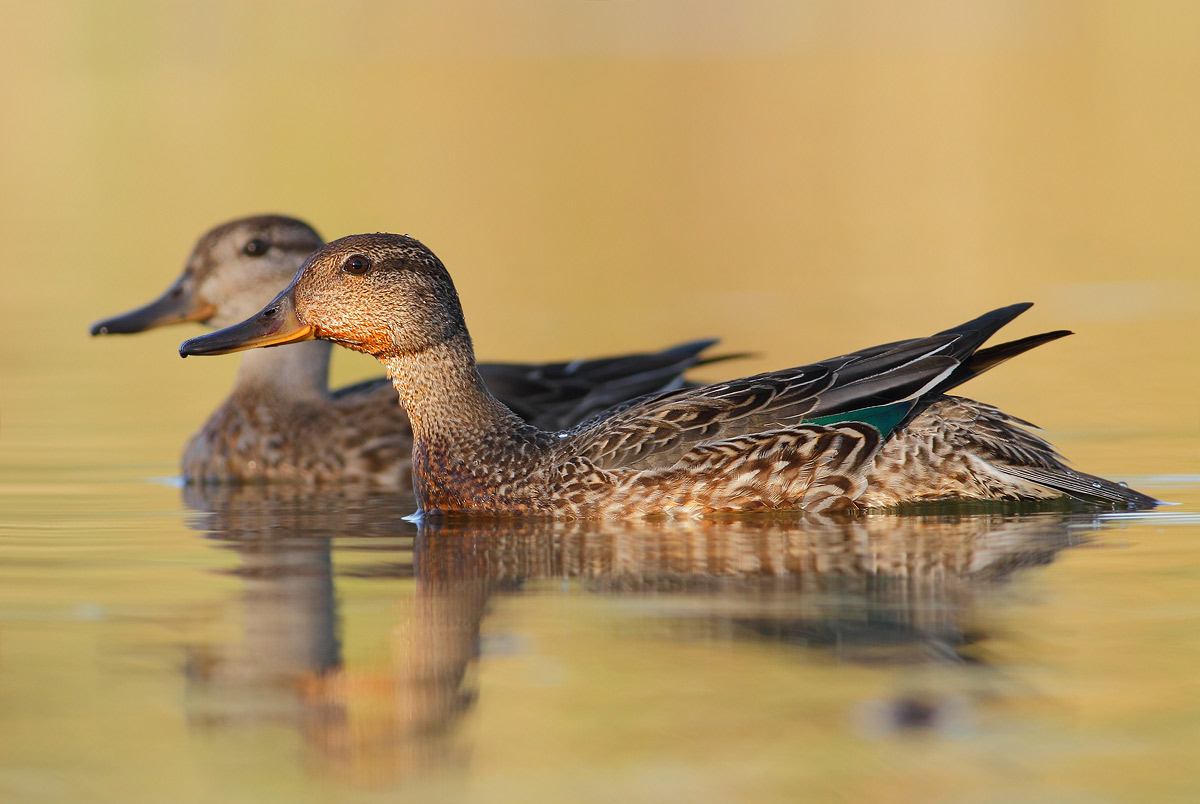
column 884, row 382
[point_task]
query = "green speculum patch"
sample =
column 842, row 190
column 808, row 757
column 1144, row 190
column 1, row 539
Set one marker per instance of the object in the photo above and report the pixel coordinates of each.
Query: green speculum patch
column 884, row 418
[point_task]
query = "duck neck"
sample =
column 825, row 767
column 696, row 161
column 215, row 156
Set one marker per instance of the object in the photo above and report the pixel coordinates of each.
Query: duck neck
column 445, row 398
column 467, row 447
column 292, row 371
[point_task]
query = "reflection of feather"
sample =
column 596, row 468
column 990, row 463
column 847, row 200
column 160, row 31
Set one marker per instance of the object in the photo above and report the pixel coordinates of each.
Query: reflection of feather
column 873, row 588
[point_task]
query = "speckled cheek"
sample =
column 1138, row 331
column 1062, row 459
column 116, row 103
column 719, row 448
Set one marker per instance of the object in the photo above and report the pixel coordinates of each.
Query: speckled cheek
column 322, row 312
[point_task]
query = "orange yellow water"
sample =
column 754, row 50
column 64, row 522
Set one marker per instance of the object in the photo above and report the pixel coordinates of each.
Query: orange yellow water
column 799, row 178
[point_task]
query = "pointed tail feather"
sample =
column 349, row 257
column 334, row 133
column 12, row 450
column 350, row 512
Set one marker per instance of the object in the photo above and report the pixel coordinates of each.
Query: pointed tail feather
column 993, row 356
column 989, row 323
column 918, row 369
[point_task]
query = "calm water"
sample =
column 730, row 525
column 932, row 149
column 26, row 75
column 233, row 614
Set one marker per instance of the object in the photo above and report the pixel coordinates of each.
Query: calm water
column 259, row 644
column 801, row 179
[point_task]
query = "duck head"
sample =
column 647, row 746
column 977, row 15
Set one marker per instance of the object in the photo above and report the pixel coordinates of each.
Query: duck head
column 233, row 270
column 383, row 294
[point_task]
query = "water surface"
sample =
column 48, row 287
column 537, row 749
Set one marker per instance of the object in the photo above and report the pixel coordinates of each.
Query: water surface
column 263, row 643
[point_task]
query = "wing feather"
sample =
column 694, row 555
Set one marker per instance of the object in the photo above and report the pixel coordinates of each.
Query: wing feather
column 657, row 431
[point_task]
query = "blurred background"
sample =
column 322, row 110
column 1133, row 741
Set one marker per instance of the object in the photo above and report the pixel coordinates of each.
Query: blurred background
column 800, row 179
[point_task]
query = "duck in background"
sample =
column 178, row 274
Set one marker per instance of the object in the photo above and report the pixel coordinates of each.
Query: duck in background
column 871, row 429
column 282, row 423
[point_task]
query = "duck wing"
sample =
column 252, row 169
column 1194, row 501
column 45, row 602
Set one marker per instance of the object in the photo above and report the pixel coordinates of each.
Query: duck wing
column 364, row 389
column 554, row 396
column 880, row 385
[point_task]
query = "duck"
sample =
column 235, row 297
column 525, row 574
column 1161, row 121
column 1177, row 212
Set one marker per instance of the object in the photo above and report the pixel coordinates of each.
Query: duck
column 282, row 423
column 872, row 429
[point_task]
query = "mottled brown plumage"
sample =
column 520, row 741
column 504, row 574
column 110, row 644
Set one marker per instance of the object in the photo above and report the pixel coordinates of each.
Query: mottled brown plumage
column 282, row 423
column 871, row 428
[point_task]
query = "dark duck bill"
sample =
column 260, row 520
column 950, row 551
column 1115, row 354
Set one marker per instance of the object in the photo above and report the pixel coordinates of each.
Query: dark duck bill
column 177, row 305
column 276, row 325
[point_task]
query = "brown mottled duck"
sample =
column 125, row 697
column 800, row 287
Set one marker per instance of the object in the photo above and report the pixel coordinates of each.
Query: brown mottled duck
column 282, row 423
column 871, row 429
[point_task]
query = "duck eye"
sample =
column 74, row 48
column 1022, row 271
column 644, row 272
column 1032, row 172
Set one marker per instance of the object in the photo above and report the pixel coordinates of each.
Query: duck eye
column 256, row 247
column 357, row 265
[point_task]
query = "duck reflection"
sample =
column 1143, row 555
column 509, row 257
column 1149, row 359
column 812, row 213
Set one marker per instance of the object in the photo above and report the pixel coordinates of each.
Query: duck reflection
column 884, row 587
column 283, row 539
column 878, row 588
